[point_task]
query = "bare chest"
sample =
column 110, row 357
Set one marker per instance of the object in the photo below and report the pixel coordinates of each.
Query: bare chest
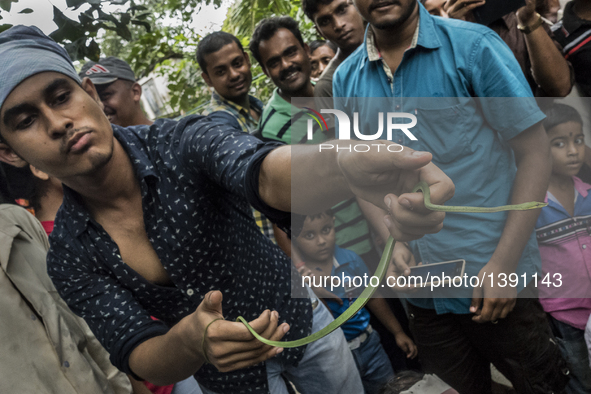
column 135, row 248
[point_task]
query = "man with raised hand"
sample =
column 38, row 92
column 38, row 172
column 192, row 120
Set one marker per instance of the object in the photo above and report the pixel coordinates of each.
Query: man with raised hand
column 156, row 222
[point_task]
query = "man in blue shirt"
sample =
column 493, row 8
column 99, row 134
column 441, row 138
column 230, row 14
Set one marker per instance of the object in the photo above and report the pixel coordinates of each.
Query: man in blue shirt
column 496, row 152
column 156, row 219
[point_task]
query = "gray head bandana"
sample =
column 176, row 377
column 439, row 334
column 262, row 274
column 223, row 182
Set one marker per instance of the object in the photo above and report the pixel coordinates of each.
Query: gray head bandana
column 26, row 51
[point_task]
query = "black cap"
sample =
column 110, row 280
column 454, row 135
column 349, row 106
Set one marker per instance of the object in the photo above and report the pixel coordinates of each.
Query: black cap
column 107, row 70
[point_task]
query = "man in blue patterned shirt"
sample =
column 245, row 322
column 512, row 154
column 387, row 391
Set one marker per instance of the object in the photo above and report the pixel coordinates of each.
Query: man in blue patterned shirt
column 156, row 222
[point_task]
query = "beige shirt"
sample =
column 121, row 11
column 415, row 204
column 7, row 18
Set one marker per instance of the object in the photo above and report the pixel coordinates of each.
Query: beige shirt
column 44, row 347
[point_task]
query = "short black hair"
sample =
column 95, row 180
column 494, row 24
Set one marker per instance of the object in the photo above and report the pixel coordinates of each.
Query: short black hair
column 559, row 114
column 320, row 43
column 310, row 7
column 267, row 28
column 212, row 43
column 328, row 212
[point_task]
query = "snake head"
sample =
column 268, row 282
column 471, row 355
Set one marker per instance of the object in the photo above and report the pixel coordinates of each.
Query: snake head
column 536, row 205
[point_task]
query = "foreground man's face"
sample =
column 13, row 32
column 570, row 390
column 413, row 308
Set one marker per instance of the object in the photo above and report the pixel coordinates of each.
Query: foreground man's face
column 57, row 125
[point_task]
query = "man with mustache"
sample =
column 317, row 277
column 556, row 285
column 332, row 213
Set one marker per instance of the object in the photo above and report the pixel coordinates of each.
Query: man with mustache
column 496, row 151
column 278, row 46
column 119, row 92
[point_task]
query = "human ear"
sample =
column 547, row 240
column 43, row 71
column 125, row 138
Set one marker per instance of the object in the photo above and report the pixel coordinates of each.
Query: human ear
column 137, row 92
column 38, row 173
column 8, row 156
column 88, row 86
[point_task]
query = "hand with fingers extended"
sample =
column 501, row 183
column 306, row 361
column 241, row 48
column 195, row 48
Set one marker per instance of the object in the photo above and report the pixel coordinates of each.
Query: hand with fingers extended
column 462, row 9
column 387, row 181
column 229, row 345
column 490, row 301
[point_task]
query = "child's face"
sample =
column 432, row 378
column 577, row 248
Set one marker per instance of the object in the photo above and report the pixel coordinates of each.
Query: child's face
column 568, row 148
column 317, row 240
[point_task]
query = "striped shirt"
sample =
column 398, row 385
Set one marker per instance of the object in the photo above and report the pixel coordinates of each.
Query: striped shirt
column 574, row 34
column 565, row 247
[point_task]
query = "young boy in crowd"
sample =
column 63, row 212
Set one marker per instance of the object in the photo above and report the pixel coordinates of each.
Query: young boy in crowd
column 563, row 237
column 322, row 258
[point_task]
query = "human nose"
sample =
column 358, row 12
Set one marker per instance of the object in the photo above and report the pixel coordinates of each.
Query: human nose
column 339, row 24
column 234, row 74
column 285, row 63
column 572, row 149
column 57, row 123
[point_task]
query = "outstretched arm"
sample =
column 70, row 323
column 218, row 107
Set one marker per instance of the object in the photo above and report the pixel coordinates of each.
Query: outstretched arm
column 302, row 179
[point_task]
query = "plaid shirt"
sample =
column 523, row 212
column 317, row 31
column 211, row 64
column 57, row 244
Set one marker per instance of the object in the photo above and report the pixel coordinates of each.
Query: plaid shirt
column 249, row 125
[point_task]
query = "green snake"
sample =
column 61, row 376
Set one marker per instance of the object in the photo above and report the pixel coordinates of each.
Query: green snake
column 368, row 292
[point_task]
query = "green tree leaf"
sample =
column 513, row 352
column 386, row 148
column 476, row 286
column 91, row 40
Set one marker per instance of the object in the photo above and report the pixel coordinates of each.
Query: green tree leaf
column 67, row 29
column 26, row 11
column 5, row 26
column 93, row 51
column 6, row 5
column 75, row 3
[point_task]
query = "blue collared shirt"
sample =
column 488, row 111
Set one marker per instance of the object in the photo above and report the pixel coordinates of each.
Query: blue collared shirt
column 454, row 61
column 197, row 177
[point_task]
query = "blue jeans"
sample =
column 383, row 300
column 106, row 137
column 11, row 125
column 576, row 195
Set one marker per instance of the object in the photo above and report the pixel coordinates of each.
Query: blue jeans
column 326, row 368
column 571, row 342
column 373, row 363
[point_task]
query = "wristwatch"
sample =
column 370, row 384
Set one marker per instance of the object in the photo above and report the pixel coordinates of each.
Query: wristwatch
column 533, row 26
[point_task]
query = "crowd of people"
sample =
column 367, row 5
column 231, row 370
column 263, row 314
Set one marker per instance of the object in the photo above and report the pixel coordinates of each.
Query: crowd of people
column 163, row 232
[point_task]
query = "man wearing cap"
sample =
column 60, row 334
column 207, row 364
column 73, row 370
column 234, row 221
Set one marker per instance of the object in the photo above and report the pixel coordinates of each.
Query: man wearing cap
column 156, row 222
column 118, row 90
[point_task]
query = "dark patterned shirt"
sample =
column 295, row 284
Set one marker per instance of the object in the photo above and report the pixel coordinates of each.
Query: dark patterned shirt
column 198, row 177
column 249, row 125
